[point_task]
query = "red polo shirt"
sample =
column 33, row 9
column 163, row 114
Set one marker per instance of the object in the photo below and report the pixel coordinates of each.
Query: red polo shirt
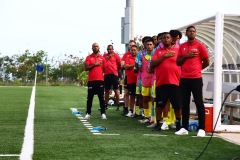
column 131, row 76
column 192, row 67
column 126, row 55
column 96, row 73
column 167, row 72
column 112, row 63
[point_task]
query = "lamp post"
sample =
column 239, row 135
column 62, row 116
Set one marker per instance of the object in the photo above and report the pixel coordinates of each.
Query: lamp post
column 127, row 23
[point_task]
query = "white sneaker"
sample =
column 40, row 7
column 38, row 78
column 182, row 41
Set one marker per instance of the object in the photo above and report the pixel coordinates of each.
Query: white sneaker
column 164, row 126
column 145, row 120
column 129, row 114
column 201, row 133
column 87, row 116
column 152, row 125
column 104, row 116
column 173, row 126
column 182, row 131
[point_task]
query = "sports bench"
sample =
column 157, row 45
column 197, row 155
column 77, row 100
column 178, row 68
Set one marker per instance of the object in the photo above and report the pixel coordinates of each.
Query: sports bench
column 226, row 88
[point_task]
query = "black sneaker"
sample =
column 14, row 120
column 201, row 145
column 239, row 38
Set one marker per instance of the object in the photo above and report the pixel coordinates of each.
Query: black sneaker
column 118, row 108
column 140, row 117
column 136, row 116
column 157, row 127
column 125, row 111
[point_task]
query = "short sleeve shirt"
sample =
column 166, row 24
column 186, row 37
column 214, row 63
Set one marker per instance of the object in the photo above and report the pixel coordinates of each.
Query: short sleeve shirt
column 96, row 73
column 131, row 76
column 167, row 72
column 112, row 63
column 125, row 56
column 192, row 67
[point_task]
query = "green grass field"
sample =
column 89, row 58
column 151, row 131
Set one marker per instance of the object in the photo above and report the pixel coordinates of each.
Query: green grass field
column 60, row 135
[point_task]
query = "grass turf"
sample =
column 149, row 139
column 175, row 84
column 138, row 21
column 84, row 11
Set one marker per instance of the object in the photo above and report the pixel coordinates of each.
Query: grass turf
column 60, row 135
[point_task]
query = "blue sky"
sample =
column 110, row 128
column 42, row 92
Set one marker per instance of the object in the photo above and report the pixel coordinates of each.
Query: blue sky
column 71, row 26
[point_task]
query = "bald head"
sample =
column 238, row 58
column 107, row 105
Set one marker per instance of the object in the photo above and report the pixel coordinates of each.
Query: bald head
column 95, row 48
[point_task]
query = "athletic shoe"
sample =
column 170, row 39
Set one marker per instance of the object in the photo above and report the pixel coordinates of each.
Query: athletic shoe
column 182, row 131
column 129, row 114
column 173, row 126
column 139, row 117
column 104, row 116
column 125, row 111
column 152, row 125
column 146, row 120
column 157, row 127
column 164, row 126
column 87, row 116
column 118, row 108
column 201, row 133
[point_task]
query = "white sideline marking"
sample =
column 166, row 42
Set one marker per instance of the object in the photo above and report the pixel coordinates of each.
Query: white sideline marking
column 9, row 155
column 203, row 137
column 97, row 133
column 28, row 142
column 81, row 118
column 156, row 135
column 87, row 124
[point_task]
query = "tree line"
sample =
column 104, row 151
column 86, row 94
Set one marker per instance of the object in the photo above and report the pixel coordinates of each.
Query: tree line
column 20, row 69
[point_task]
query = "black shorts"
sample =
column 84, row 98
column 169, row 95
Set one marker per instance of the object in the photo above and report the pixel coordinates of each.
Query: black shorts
column 131, row 88
column 168, row 92
column 110, row 81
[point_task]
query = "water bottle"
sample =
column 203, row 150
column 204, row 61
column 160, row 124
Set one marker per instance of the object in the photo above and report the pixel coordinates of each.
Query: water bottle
column 77, row 112
column 98, row 128
column 193, row 126
column 103, row 128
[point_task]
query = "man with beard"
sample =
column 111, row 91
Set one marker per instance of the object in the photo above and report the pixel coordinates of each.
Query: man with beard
column 95, row 65
column 192, row 57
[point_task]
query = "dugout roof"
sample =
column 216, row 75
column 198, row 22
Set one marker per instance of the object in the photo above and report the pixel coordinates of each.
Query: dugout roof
column 231, row 39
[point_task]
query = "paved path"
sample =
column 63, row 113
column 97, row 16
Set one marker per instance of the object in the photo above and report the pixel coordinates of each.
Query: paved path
column 231, row 137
